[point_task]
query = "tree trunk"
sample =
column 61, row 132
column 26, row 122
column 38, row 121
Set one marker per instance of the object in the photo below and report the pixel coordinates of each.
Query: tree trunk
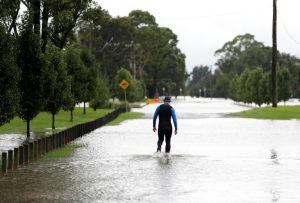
column 45, row 15
column 28, row 127
column 53, row 121
column 14, row 17
column 71, row 115
column 274, row 55
column 84, row 108
column 36, row 6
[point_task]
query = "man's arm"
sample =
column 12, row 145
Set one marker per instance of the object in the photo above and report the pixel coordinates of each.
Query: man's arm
column 174, row 119
column 155, row 117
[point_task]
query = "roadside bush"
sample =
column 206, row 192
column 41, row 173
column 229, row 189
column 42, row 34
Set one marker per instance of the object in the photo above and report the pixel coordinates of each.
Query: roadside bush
column 135, row 90
column 101, row 95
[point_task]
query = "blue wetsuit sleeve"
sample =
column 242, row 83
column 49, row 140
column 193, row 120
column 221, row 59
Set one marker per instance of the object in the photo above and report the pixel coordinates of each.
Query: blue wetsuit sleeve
column 174, row 118
column 155, row 116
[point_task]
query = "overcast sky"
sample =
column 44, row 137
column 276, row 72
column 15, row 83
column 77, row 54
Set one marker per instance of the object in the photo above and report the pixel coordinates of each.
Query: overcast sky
column 203, row 26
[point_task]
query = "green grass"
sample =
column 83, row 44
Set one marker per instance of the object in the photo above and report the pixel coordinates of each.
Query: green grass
column 43, row 121
column 64, row 152
column 279, row 113
column 125, row 116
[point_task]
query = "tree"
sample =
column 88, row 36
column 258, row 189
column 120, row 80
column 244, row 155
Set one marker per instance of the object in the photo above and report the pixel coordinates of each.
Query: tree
column 135, row 42
column 29, row 60
column 222, row 86
column 194, row 90
column 137, row 91
column 165, row 60
column 50, row 19
column 69, row 102
column 101, row 95
column 293, row 65
column 142, row 18
column 234, row 85
column 255, row 79
column 118, row 35
column 243, row 51
column 298, row 79
column 198, row 74
column 265, row 87
column 9, row 78
column 283, row 84
column 56, row 81
column 90, row 79
column 59, row 18
column 9, row 10
column 200, row 77
column 243, row 90
column 142, row 22
column 77, row 73
column 91, row 32
column 240, row 53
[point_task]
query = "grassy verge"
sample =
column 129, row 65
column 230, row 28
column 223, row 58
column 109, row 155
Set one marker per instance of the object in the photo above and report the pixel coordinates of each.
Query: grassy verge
column 279, row 113
column 64, row 152
column 43, row 121
column 125, row 116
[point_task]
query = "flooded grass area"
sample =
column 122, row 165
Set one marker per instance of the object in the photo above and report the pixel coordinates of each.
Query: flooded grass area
column 64, row 152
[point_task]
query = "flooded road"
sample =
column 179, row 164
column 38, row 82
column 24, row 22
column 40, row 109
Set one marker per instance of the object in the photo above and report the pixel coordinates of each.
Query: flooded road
column 214, row 159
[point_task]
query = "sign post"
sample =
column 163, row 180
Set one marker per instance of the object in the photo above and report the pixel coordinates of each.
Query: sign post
column 124, row 85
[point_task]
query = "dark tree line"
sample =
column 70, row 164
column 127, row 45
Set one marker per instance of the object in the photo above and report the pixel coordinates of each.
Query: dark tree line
column 254, row 86
column 135, row 42
column 243, row 52
column 33, row 72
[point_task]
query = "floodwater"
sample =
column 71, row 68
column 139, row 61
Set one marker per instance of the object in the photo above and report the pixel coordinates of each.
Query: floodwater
column 9, row 141
column 213, row 159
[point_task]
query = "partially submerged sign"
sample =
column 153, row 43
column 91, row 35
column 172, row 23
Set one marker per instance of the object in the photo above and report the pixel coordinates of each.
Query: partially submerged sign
column 124, row 84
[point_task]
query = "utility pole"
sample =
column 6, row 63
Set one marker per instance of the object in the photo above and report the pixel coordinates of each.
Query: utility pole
column 210, row 86
column 274, row 55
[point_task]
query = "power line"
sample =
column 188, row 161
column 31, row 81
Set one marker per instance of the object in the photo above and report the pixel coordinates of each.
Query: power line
column 287, row 31
column 244, row 12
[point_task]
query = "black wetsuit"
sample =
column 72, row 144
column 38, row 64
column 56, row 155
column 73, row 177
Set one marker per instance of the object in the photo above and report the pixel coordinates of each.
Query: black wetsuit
column 165, row 112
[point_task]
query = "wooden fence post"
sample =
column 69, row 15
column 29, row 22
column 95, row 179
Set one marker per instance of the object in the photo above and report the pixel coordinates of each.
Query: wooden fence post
column 39, row 148
column 16, row 158
column 36, row 146
column 26, row 154
column 21, row 155
column 44, row 143
column 10, row 159
column 50, row 143
column 31, row 151
column 4, row 163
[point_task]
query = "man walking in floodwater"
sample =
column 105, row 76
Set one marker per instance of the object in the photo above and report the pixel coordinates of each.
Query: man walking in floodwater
column 165, row 112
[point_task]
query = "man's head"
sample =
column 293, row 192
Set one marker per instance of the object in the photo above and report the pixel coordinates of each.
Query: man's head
column 167, row 99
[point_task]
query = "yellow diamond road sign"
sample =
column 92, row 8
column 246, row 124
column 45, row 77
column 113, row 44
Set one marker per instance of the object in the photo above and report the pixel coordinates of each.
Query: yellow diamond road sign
column 124, row 84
